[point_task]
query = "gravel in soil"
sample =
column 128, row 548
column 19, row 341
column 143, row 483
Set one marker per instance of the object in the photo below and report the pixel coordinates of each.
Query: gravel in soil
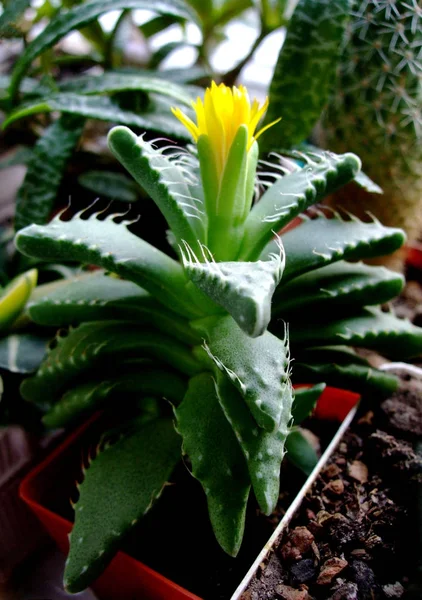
column 355, row 535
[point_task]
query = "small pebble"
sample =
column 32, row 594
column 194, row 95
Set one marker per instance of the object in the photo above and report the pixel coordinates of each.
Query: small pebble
column 288, row 593
column 299, row 542
column 358, row 471
column 336, row 486
column 330, row 569
column 365, row 579
column 393, row 590
column 347, row 591
column 331, row 471
column 303, row 571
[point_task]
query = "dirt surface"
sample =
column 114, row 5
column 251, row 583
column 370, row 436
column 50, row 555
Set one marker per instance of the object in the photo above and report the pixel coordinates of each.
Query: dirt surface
column 355, row 536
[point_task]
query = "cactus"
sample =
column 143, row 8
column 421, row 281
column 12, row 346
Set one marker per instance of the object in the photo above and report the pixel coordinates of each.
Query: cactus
column 375, row 110
column 228, row 355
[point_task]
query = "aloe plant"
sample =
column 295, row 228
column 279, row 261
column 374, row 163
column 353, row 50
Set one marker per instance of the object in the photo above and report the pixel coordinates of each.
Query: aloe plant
column 211, row 326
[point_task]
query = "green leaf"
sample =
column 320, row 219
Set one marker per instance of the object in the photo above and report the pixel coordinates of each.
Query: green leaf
column 112, row 246
column 156, row 117
column 322, row 174
column 12, row 12
column 95, row 345
column 87, row 397
column 120, row 486
column 359, row 378
column 217, row 461
column 300, row 452
column 97, row 297
column 148, row 82
column 244, row 289
column 109, row 184
column 258, row 367
column 38, row 192
column 367, row 184
column 164, row 180
column 312, row 48
column 263, row 451
column 305, row 400
column 370, row 328
column 340, row 284
column 15, row 296
column 22, row 352
column 321, row 241
column 79, row 16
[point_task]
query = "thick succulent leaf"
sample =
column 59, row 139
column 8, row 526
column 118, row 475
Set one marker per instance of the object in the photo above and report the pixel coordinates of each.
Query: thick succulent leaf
column 38, row 192
column 12, row 11
column 305, row 400
column 217, row 461
column 164, row 181
column 311, row 50
column 112, row 246
column 22, row 352
column 109, row 184
column 258, row 367
column 156, row 116
column 97, row 297
column 300, row 452
column 263, row 451
column 14, row 297
column 370, row 328
column 366, row 183
column 244, row 289
column 321, row 175
column 89, row 396
column 354, row 377
column 78, row 16
column 101, row 343
column 120, row 486
column 321, row 241
column 338, row 284
column 148, row 82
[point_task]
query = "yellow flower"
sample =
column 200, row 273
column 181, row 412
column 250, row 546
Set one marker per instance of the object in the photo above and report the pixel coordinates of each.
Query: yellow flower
column 219, row 117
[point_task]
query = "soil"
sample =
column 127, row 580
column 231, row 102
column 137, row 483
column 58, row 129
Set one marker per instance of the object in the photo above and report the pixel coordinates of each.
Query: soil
column 355, row 536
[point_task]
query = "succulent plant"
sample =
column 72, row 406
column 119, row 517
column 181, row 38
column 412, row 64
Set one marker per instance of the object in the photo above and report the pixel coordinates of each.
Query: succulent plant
column 210, row 326
column 375, row 110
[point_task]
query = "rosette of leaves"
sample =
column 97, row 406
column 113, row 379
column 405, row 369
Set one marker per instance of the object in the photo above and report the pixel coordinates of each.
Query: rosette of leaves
column 202, row 347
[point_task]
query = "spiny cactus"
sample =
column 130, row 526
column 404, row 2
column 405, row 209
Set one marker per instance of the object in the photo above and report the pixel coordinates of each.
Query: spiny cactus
column 376, row 110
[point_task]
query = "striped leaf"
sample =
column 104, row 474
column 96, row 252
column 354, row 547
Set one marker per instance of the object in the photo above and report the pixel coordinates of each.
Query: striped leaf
column 79, row 16
column 305, row 72
column 38, row 192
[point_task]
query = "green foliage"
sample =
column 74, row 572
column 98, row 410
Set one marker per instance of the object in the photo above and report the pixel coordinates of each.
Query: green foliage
column 305, row 72
column 200, row 325
column 11, row 14
column 217, row 460
column 15, row 296
column 131, row 474
column 35, row 199
column 66, row 21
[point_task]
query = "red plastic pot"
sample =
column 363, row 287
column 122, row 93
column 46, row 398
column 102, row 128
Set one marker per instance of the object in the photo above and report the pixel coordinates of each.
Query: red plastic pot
column 334, row 404
column 414, row 255
column 125, row 578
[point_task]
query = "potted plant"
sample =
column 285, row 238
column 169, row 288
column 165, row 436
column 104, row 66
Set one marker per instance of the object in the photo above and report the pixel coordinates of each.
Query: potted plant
column 202, row 323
